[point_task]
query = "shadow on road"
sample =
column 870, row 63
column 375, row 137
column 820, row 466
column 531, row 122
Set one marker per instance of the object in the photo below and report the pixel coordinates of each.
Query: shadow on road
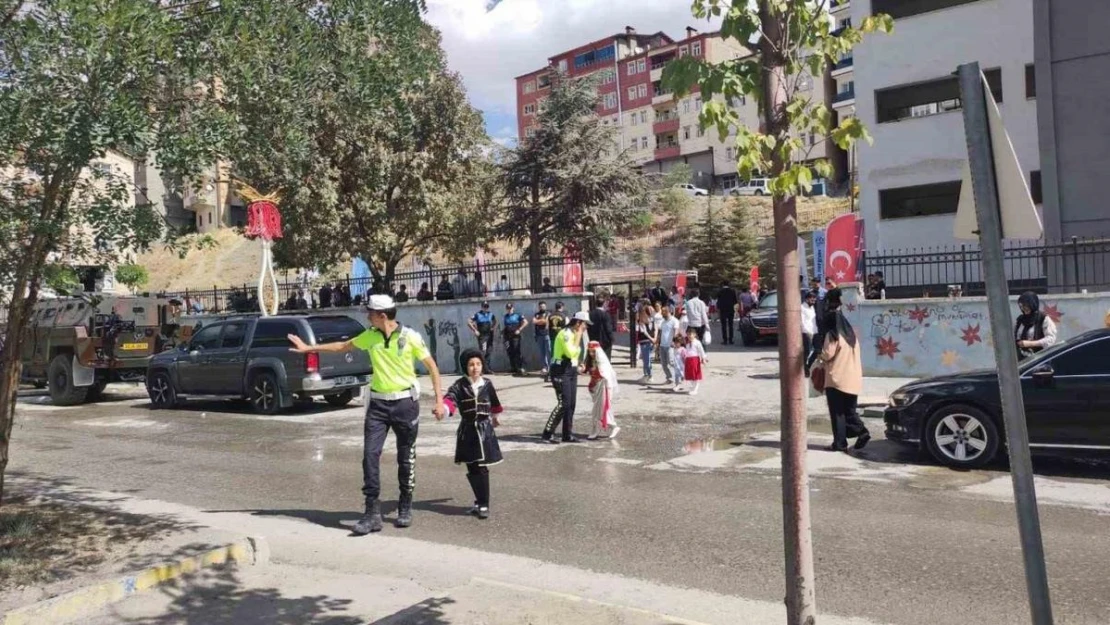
column 243, row 407
column 346, row 519
column 427, row 612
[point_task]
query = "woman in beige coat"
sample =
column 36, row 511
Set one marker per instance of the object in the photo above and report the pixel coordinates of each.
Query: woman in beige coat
column 840, row 357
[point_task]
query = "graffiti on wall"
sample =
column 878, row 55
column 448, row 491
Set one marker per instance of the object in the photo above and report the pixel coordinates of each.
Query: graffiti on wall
column 931, row 337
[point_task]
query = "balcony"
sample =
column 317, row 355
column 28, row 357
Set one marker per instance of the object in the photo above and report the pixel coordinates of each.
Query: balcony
column 665, row 125
column 845, row 98
column 836, row 6
column 660, row 95
column 843, row 63
column 667, row 150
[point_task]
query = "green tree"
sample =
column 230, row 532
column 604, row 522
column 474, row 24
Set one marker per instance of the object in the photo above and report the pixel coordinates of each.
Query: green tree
column 722, row 248
column 81, row 77
column 348, row 107
column 571, row 183
column 794, row 45
column 132, row 276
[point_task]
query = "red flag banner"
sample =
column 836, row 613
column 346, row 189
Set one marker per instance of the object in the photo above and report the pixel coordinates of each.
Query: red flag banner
column 843, row 244
column 753, row 280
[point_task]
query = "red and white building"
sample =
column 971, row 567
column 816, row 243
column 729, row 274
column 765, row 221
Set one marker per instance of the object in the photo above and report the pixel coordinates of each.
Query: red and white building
column 658, row 129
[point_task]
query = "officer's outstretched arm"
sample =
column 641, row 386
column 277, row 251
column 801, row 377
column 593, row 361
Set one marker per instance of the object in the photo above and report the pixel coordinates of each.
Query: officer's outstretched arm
column 301, row 347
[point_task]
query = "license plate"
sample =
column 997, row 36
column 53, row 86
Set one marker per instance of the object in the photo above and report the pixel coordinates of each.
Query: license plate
column 768, row 330
column 347, row 380
column 133, row 346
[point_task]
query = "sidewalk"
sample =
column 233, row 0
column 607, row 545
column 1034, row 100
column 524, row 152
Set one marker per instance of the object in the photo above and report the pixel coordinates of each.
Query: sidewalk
column 319, row 573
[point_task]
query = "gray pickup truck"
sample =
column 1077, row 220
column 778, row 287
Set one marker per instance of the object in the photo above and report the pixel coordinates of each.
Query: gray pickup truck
column 249, row 358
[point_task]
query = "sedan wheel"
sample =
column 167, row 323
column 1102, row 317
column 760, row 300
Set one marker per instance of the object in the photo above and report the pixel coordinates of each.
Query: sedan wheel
column 962, row 436
column 162, row 394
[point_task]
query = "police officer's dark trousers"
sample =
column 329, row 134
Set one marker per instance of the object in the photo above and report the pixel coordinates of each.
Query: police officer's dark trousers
column 403, row 417
column 512, row 345
column 485, row 345
column 564, row 378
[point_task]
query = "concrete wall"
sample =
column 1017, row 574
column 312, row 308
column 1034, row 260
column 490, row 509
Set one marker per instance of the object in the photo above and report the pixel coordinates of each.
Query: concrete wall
column 926, row 337
column 1072, row 63
column 924, row 150
column 443, row 325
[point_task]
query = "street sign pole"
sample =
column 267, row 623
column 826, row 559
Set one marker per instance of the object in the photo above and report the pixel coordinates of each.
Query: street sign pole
column 982, row 164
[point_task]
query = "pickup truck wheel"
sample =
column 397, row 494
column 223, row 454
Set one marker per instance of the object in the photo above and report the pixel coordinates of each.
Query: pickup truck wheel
column 340, row 399
column 161, row 391
column 62, row 390
column 264, row 393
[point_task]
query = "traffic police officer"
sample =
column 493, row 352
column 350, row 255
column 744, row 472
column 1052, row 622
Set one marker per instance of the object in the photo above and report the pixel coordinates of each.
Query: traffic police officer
column 394, row 403
column 483, row 324
column 514, row 325
column 565, row 367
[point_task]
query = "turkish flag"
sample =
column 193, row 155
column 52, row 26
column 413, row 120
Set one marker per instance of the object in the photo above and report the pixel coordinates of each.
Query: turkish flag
column 843, row 245
column 753, row 281
column 572, row 273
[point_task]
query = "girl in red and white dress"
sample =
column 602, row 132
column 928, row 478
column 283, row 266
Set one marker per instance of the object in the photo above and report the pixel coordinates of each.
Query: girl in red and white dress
column 603, row 386
column 695, row 358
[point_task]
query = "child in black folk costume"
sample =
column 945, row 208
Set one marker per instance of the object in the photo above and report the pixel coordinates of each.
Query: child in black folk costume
column 475, row 399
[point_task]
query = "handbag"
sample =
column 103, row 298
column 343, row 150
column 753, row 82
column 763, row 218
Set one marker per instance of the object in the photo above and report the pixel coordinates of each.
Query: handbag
column 817, row 379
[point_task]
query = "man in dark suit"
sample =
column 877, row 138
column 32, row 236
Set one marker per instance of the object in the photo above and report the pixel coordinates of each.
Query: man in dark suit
column 726, row 308
column 601, row 327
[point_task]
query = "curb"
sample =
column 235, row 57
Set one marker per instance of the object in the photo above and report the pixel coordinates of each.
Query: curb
column 90, row 599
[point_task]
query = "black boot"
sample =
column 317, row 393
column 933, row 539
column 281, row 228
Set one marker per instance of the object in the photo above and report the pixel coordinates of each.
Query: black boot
column 371, row 521
column 404, row 511
column 473, row 479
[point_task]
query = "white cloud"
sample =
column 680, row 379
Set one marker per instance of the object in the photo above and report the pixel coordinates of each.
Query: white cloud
column 490, row 48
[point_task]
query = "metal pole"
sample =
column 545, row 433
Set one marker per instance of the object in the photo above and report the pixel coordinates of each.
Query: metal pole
column 1075, row 260
column 981, row 160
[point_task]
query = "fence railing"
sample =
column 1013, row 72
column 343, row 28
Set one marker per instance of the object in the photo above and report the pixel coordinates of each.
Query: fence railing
column 477, row 280
column 1059, row 267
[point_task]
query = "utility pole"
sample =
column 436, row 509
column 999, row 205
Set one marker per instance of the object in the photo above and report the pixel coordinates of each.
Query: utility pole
column 801, row 606
column 981, row 159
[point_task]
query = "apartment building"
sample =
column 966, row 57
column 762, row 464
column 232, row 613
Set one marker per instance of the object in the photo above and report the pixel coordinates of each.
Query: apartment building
column 902, row 88
column 204, row 206
column 658, row 129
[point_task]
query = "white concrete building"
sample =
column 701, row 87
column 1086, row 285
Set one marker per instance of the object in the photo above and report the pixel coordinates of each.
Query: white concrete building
column 901, row 87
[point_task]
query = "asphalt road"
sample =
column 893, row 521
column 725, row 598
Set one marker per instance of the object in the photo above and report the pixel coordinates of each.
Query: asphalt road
column 689, row 495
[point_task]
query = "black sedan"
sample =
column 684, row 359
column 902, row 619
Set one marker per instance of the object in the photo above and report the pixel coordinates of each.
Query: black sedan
column 958, row 418
column 762, row 322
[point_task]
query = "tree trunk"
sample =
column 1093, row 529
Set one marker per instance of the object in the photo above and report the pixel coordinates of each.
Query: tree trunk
column 535, row 260
column 801, row 608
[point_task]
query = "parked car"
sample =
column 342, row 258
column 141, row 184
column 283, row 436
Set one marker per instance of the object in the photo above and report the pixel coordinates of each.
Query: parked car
column 958, row 418
column 249, row 358
column 755, row 186
column 761, row 323
column 691, row 190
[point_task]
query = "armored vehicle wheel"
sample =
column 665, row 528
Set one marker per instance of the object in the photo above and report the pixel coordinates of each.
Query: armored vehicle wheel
column 62, row 390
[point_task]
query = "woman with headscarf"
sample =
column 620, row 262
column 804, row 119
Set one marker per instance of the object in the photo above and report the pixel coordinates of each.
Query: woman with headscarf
column 603, row 386
column 1034, row 330
column 840, row 357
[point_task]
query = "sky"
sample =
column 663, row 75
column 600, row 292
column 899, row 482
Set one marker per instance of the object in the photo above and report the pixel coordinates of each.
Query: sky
column 490, row 48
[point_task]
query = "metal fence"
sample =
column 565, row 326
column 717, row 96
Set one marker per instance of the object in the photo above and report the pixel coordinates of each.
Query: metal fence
column 1043, row 267
column 469, row 280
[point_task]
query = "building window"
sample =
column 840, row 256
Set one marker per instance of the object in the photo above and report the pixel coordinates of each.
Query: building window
column 908, row 8
column 543, row 82
column 632, row 68
column 530, row 86
column 695, row 48
column 928, row 98
column 644, row 142
column 632, row 93
column 530, row 132
column 701, row 131
column 686, row 105
column 634, row 143
column 685, row 132
column 641, row 65
column 1035, row 186
column 529, row 109
column 683, row 50
column 1030, row 81
column 643, row 91
column 697, row 104
column 608, row 76
column 633, row 118
column 728, row 153
column 920, row 200
column 563, row 65
column 643, row 117
column 610, row 100
column 741, row 100
column 812, row 139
